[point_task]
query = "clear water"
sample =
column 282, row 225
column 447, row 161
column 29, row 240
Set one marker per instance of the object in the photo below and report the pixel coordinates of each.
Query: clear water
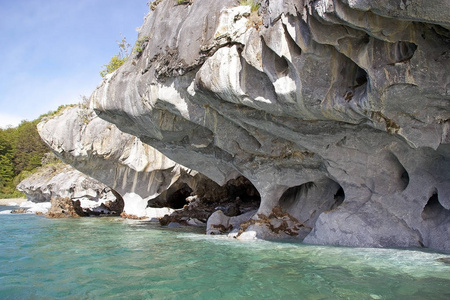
column 111, row 258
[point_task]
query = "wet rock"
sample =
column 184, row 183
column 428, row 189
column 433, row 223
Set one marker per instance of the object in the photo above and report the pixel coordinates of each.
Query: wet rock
column 219, row 223
column 132, row 217
column 65, row 208
column 445, row 260
column 19, row 211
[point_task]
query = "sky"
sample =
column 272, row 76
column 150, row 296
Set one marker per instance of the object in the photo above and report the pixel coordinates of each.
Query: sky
column 51, row 51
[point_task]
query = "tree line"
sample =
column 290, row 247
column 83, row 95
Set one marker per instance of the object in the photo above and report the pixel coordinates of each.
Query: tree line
column 21, row 152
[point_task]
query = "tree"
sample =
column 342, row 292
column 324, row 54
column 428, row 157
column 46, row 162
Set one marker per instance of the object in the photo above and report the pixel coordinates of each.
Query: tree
column 6, row 159
column 21, row 151
column 29, row 147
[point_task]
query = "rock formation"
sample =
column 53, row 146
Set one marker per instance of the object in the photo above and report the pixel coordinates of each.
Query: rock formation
column 65, row 207
column 336, row 111
column 145, row 178
column 60, row 181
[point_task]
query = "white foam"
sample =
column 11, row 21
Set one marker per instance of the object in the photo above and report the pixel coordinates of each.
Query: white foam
column 134, row 204
column 5, row 212
column 157, row 213
column 41, row 207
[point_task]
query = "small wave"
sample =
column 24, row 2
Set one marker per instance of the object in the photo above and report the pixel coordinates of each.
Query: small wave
column 5, row 212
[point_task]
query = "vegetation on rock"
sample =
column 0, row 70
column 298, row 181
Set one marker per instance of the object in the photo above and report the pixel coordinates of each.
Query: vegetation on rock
column 252, row 3
column 118, row 59
column 140, row 44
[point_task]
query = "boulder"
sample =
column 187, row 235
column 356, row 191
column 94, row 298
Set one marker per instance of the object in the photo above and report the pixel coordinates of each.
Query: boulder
column 65, row 208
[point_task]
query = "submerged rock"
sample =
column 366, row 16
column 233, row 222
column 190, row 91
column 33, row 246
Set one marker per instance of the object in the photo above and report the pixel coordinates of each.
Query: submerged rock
column 445, row 260
column 19, row 211
column 336, row 111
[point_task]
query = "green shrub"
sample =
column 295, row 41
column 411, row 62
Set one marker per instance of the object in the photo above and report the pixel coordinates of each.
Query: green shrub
column 252, row 3
column 140, row 44
column 115, row 62
column 118, row 59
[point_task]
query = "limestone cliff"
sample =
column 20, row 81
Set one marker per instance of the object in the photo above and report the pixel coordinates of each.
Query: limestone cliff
column 337, row 111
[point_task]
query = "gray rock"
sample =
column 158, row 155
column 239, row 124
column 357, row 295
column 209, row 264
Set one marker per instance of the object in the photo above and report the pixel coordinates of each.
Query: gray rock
column 336, row 111
column 134, row 171
column 61, row 181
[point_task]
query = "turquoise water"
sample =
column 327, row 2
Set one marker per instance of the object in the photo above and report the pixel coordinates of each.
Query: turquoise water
column 111, row 258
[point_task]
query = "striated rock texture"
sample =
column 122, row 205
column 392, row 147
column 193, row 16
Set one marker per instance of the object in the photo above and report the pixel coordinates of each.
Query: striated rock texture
column 60, row 181
column 136, row 172
column 337, row 111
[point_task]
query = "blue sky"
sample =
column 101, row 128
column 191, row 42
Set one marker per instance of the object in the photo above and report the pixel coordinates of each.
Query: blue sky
column 51, row 51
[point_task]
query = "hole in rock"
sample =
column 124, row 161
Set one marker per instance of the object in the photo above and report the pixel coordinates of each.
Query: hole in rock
column 393, row 176
column 281, row 66
column 291, row 195
column 115, row 207
column 434, row 210
column 307, row 201
column 404, row 179
column 339, row 198
column 178, row 198
column 360, row 77
column 404, row 51
column 243, row 193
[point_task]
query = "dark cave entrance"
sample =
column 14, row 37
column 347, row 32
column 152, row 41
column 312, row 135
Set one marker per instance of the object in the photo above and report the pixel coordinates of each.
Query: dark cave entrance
column 339, row 198
column 118, row 205
column 178, row 198
column 434, row 210
column 241, row 197
column 243, row 189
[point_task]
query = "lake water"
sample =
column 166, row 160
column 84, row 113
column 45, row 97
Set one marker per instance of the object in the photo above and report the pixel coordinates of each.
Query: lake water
column 112, row 258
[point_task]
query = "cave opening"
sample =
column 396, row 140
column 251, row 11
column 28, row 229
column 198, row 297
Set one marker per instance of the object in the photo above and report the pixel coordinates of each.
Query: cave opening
column 308, row 200
column 360, row 77
column 115, row 207
column 304, row 203
column 243, row 188
column 242, row 196
column 404, row 178
column 404, row 51
column 339, row 198
column 178, row 198
column 291, row 195
column 398, row 175
column 434, row 210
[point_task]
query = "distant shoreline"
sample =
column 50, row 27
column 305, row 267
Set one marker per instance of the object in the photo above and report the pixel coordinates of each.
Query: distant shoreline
column 15, row 200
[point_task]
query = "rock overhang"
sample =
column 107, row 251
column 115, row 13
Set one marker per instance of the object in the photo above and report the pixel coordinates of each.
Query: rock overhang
column 336, row 93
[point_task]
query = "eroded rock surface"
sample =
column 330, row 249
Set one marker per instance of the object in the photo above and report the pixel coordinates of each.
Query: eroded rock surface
column 145, row 178
column 337, row 111
column 60, row 181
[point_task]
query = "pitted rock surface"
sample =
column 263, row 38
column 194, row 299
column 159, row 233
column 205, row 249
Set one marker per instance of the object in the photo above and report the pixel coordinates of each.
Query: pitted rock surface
column 337, row 111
